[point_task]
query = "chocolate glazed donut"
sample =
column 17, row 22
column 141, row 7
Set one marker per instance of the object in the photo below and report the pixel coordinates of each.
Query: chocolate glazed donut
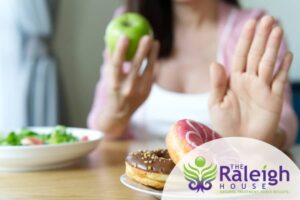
column 149, row 168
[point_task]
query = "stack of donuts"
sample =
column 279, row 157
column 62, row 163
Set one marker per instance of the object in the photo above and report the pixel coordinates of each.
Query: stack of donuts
column 152, row 167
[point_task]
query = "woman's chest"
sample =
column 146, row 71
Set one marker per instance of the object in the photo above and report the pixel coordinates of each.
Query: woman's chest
column 187, row 70
column 184, row 76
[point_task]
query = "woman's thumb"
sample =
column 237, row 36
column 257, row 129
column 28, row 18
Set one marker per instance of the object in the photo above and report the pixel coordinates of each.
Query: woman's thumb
column 218, row 83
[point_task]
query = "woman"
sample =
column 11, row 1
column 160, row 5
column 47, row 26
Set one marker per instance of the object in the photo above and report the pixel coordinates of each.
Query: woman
column 244, row 92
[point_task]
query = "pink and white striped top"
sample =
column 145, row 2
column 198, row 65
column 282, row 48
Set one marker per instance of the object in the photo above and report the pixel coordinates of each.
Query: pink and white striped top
column 146, row 120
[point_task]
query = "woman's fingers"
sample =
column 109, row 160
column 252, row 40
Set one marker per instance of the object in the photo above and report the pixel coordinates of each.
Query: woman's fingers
column 119, row 57
column 219, row 83
column 147, row 76
column 268, row 61
column 243, row 46
column 143, row 50
column 282, row 75
column 259, row 43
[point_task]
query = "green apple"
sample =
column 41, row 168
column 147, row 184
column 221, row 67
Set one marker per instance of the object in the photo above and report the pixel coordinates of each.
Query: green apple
column 132, row 25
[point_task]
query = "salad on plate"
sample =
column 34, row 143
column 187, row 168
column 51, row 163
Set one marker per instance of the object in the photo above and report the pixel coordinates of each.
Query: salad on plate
column 26, row 137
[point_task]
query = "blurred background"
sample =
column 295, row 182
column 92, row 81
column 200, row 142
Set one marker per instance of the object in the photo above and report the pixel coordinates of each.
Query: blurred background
column 53, row 51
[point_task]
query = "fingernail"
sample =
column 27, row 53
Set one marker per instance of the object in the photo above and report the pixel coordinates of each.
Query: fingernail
column 146, row 38
column 268, row 19
column 278, row 30
column 123, row 39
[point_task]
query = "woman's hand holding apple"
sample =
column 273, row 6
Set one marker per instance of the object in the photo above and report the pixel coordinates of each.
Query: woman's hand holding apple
column 127, row 91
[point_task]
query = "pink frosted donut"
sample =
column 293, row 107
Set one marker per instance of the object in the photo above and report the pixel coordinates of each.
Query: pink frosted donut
column 185, row 135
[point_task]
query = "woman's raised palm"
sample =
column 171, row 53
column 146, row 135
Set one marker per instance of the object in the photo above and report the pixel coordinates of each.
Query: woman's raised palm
column 249, row 102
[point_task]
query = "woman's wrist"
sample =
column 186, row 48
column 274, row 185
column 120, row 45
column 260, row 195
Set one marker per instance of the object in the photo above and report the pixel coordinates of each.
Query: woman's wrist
column 279, row 138
column 113, row 125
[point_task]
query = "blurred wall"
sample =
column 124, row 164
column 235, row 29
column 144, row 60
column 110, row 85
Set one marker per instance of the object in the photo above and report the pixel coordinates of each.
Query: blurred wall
column 288, row 12
column 78, row 44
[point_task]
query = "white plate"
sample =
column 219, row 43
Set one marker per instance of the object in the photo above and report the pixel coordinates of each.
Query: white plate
column 43, row 157
column 128, row 182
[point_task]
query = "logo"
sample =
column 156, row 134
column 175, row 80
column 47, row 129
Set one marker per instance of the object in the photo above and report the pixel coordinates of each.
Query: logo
column 234, row 168
column 199, row 174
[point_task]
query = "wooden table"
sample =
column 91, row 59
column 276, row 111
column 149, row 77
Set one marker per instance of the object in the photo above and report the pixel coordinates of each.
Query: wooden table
column 96, row 177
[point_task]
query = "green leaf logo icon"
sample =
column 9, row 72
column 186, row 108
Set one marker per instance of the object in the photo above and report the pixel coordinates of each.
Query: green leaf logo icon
column 199, row 175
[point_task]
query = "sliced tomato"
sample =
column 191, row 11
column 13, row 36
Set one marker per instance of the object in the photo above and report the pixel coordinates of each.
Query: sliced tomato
column 32, row 141
column 84, row 139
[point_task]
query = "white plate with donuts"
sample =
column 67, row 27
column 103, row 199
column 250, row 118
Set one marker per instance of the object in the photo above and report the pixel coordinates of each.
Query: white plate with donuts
column 147, row 170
